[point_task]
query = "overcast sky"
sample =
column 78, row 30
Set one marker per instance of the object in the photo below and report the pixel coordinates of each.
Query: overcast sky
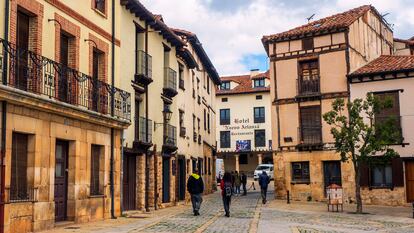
column 230, row 30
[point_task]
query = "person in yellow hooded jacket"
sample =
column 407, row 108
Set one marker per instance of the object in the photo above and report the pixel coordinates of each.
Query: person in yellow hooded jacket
column 195, row 187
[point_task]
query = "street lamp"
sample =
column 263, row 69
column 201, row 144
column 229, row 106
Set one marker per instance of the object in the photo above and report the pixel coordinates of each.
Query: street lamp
column 166, row 112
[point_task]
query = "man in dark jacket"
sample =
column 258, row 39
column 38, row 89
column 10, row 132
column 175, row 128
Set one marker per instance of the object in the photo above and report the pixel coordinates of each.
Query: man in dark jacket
column 195, row 187
column 244, row 183
column 264, row 181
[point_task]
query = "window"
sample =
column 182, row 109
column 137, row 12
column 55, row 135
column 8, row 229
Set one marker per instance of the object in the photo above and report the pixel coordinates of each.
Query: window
column 259, row 83
column 224, row 116
column 205, row 120
column 307, row 44
column 260, row 138
column 309, row 77
column 389, row 118
column 310, row 125
column 224, row 99
column 208, row 122
column 225, row 85
column 225, row 139
column 182, row 128
column 208, row 84
column 209, row 166
column 181, row 76
column 243, row 159
column 100, row 6
column 19, row 165
column 300, row 172
column 96, row 187
column 381, row 176
column 194, row 129
column 259, row 97
column 259, row 114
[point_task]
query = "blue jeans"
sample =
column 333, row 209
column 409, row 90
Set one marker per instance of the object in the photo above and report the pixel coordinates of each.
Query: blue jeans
column 196, row 200
column 237, row 189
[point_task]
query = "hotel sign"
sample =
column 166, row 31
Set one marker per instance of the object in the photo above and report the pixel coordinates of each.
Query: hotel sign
column 241, row 124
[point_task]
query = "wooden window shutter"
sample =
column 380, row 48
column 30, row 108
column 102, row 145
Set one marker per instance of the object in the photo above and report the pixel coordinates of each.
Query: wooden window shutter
column 364, row 171
column 397, row 172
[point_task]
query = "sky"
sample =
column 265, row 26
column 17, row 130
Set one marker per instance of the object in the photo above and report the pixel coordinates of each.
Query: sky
column 231, row 30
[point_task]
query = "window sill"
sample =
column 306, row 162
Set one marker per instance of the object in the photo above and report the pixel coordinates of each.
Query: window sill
column 381, row 187
column 97, row 196
column 100, row 13
column 300, row 182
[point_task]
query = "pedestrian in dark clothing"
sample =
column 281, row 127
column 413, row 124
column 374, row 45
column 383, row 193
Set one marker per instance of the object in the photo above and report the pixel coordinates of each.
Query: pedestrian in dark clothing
column 244, row 183
column 237, row 183
column 226, row 192
column 195, row 187
column 264, row 181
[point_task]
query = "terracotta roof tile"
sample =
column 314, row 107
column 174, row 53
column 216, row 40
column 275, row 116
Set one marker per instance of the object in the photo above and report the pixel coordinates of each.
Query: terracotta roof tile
column 337, row 21
column 244, row 84
column 386, row 63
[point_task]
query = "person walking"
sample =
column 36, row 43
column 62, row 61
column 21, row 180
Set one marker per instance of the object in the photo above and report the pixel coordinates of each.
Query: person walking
column 237, row 183
column 244, row 183
column 195, row 186
column 226, row 192
column 264, row 181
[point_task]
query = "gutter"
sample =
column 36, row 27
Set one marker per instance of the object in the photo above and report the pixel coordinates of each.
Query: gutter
column 3, row 122
column 111, row 174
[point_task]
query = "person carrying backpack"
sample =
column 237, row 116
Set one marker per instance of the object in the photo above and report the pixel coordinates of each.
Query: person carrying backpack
column 226, row 192
column 195, row 187
column 264, row 181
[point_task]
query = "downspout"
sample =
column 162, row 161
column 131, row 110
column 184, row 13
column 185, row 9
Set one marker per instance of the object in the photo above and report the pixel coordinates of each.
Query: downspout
column 121, row 177
column 111, row 175
column 3, row 121
column 147, row 173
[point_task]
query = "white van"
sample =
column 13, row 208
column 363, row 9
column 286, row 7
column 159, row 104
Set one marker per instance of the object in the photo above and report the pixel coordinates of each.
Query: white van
column 264, row 167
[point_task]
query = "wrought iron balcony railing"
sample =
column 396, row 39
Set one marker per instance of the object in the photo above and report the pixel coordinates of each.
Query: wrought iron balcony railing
column 144, row 68
column 308, row 87
column 142, row 130
column 36, row 74
column 171, row 135
column 170, row 82
column 310, row 135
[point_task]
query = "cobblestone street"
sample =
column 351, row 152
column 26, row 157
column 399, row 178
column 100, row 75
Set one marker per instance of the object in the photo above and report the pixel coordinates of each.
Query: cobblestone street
column 249, row 215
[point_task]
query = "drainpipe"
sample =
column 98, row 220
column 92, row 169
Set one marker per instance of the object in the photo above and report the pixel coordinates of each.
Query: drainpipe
column 122, row 165
column 111, row 176
column 147, row 173
column 3, row 122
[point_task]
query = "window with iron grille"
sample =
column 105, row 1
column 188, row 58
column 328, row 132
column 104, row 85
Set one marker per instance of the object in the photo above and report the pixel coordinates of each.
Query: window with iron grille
column 181, row 76
column 225, row 85
column 259, row 114
column 300, row 172
column 225, row 139
column 96, row 187
column 100, row 5
column 260, row 138
column 224, row 116
column 308, row 77
column 389, row 117
column 19, row 165
column 259, row 83
column 310, row 125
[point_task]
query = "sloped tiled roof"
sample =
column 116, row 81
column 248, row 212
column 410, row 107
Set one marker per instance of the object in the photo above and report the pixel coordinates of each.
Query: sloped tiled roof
column 244, row 84
column 386, row 64
column 337, row 21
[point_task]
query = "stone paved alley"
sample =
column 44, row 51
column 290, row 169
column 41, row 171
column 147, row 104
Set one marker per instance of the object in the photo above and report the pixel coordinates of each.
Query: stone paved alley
column 249, row 215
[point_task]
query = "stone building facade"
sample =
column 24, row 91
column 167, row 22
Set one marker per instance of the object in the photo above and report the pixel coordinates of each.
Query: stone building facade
column 62, row 120
column 244, row 133
column 173, row 84
column 308, row 69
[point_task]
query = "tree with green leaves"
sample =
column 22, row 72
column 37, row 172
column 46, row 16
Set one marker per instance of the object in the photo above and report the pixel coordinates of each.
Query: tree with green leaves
column 359, row 137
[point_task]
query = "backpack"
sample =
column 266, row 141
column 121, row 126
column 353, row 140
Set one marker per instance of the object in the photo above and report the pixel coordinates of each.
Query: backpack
column 228, row 190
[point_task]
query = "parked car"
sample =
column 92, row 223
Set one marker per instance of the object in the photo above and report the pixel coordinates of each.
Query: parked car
column 264, row 167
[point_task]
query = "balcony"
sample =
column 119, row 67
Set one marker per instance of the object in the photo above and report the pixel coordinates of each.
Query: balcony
column 310, row 137
column 35, row 74
column 170, row 139
column 170, row 82
column 308, row 88
column 183, row 132
column 143, row 75
column 143, row 127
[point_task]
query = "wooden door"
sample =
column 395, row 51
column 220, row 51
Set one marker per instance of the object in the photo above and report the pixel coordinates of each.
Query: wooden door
column 22, row 38
column 129, row 183
column 409, row 171
column 61, row 179
column 181, row 179
column 165, row 180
